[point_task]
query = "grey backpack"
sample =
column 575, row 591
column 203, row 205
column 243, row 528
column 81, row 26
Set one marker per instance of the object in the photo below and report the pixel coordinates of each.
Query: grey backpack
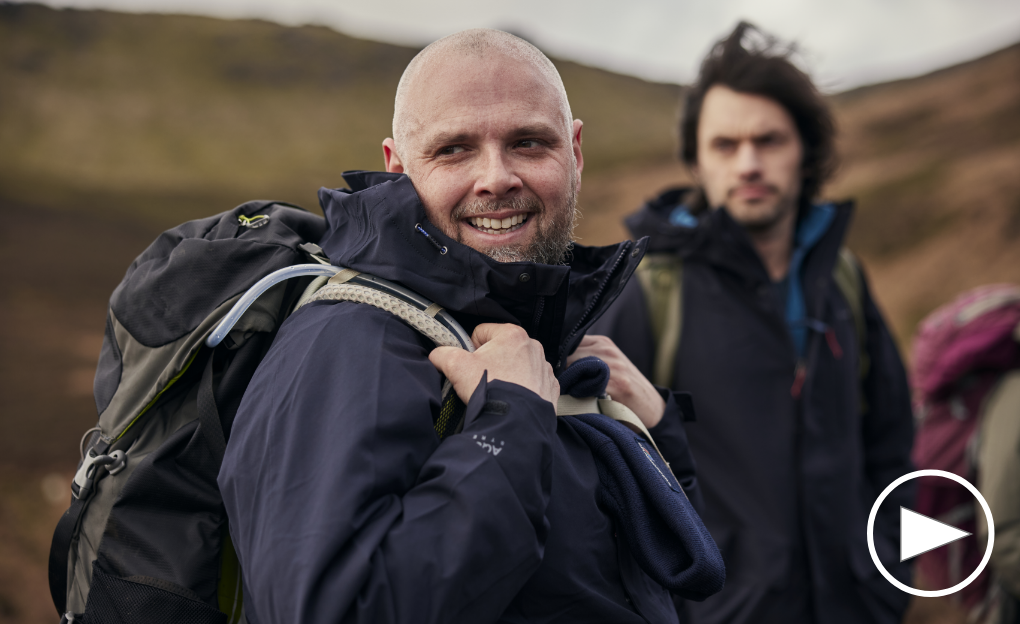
column 145, row 538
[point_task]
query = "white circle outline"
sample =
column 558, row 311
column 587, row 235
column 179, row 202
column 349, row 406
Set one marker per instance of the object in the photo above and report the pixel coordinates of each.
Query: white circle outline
column 934, row 593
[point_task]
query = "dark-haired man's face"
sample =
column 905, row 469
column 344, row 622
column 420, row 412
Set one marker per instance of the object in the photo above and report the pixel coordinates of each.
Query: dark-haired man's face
column 749, row 158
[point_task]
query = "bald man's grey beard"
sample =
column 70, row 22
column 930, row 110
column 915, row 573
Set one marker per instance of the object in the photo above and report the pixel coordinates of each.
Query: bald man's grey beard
column 554, row 234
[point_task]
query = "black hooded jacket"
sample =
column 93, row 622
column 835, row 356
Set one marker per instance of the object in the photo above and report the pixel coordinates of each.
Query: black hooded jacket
column 788, row 482
column 345, row 506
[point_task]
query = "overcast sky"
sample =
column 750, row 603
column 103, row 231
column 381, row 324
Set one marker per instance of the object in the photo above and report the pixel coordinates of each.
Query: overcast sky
column 846, row 43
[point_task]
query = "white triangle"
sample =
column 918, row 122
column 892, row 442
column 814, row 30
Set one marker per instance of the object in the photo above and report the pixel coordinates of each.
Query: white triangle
column 919, row 534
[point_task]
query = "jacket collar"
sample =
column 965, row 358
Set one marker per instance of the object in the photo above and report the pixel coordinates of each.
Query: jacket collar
column 719, row 240
column 376, row 227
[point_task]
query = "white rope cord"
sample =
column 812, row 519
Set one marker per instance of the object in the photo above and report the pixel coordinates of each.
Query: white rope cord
column 418, row 319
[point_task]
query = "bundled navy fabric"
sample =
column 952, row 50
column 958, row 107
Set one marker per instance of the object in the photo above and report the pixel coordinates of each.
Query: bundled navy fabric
column 344, row 504
column 586, row 377
column 663, row 531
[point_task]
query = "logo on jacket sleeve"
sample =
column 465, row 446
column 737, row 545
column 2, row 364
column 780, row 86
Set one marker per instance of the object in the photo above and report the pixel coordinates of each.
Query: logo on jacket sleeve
column 490, row 445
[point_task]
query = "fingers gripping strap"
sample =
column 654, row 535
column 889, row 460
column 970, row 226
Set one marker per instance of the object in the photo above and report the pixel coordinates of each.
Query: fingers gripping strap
column 421, row 320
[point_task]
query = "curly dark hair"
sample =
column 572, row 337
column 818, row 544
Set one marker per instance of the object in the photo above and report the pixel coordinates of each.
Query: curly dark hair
column 751, row 61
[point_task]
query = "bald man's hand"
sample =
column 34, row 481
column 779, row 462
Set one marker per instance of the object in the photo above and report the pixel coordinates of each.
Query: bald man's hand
column 507, row 353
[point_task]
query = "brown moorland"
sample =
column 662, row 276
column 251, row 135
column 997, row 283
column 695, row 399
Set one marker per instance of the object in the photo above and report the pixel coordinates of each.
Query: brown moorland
column 114, row 127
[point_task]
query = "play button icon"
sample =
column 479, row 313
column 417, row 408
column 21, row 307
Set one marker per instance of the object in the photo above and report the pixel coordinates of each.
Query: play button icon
column 919, row 534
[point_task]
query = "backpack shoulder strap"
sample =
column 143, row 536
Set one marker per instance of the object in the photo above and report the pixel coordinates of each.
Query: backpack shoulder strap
column 568, row 405
column 426, row 317
column 661, row 279
column 850, row 281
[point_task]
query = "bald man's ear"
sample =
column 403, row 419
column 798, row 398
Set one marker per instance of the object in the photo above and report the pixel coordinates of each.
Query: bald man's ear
column 391, row 158
column 576, row 146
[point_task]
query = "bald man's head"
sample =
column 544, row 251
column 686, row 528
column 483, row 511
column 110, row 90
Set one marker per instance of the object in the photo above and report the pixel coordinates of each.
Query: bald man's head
column 448, row 54
column 482, row 128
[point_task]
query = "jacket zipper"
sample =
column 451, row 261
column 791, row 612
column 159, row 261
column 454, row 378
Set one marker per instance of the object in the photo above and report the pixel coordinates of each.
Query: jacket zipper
column 625, row 249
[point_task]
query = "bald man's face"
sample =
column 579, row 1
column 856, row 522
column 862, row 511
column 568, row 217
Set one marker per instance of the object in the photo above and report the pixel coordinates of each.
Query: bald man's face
column 493, row 160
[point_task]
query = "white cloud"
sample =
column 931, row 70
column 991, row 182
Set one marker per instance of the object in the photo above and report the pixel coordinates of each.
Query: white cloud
column 846, row 43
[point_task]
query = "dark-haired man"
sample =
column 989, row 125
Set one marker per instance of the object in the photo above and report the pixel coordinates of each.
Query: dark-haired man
column 802, row 401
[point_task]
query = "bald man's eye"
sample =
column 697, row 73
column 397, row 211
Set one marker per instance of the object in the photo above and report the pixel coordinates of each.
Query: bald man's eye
column 528, row 143
column 449, row 150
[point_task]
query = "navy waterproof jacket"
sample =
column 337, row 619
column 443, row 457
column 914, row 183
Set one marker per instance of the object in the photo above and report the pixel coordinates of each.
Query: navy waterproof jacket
column 788, row 481
column 344, row 505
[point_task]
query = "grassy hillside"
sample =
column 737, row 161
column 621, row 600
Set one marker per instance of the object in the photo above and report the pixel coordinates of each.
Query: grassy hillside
column 172, row 116
column 934, row 163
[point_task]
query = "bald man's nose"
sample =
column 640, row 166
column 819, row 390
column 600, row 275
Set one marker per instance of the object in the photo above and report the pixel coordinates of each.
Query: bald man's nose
column 748, row 160
column 495, row 177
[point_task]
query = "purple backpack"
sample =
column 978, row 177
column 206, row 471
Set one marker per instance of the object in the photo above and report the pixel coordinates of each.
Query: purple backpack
column 961, row 350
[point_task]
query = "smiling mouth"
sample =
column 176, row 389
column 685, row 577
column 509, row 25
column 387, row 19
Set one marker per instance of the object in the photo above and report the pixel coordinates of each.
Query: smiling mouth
column 498, row 226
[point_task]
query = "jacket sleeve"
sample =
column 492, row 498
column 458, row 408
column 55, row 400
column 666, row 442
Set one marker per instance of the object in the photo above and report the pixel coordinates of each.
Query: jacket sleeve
column 888, row 432
column 344, row 506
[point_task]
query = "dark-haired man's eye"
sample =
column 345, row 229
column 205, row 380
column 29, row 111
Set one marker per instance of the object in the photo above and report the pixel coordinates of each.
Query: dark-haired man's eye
column 725, row 145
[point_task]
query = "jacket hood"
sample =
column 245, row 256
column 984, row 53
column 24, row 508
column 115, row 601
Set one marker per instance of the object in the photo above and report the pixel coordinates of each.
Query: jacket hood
column 378, row 226
column 721, row 241
column 652, row 220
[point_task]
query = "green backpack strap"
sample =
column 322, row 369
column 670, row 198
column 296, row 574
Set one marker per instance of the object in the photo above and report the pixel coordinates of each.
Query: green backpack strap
column 661, row 278
column 451, row 413
column 850, row 281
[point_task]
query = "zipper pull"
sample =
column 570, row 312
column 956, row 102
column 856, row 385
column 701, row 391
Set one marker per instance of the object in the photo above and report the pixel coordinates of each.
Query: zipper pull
column 830, row 337
column 799, row 374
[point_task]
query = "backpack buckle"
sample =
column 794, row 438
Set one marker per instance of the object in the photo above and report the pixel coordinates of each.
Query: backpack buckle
column 85, row 478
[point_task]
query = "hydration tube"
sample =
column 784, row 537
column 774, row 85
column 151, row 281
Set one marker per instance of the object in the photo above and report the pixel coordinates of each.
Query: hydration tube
column 301, row 270
column 261, row 286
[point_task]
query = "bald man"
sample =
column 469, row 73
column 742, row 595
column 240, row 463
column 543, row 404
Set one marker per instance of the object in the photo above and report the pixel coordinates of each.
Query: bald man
column 344, row 503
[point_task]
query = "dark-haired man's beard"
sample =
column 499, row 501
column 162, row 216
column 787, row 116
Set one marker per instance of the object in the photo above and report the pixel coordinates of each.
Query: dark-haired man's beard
column 554, row 227
column 761, row 217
